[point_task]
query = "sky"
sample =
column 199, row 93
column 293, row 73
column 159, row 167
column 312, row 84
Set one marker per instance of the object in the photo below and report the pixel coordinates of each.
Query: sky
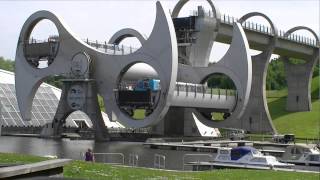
column 99, row 20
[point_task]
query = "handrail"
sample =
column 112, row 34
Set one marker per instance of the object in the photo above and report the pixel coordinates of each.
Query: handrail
column 157, row 161
column 133, row 159
column 121, row 155
column 193, row 88
column 198, row 162
column 112, row 154
column 227, row 19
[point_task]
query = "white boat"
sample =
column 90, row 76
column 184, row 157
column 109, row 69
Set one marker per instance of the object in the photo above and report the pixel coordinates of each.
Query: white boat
column 248, row 156
column 301, row 154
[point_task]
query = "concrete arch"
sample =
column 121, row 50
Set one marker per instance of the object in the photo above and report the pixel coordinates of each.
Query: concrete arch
column 273, row 26
column 257, row 111
column 292, row 30
column 252, row 14
column 125, row 33
column 299, row 77
column 176, row 10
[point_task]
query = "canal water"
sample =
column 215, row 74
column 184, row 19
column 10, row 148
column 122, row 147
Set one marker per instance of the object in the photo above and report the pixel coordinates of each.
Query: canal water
column 66, row 148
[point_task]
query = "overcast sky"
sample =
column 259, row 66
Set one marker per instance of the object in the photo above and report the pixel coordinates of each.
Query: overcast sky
column 99, row 20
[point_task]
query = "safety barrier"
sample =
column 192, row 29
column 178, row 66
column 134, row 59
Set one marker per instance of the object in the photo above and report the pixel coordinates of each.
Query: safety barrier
column 159, row 161
column 133, row 159
column 105, row 156
column 184, row 163
column 227, row 19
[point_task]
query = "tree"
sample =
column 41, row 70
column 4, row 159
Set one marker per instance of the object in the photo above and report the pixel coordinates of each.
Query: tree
column 6, row 64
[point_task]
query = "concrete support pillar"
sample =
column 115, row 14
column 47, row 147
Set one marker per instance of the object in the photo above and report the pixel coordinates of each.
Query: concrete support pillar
column 256, row 118
column 299, row 78
column 84, row 99
column 177, row 123
column 1, row 120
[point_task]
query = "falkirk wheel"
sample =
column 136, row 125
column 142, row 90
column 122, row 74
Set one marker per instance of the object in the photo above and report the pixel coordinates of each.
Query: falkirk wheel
column 177, row 94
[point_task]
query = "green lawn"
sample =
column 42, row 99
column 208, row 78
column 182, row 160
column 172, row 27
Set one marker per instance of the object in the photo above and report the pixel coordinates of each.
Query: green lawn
column 139, row 114
column 84, row 170
column 302, row 124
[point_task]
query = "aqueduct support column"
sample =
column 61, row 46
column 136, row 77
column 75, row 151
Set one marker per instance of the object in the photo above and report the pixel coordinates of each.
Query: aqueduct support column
column 299, row 78
column 257, row 118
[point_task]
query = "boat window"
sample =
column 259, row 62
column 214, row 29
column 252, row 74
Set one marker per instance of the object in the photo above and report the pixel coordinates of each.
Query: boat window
column 262, row 160
column 238, row 153
column 255, row 152
column 314, row 158
column 223, row 158
column 306, row 150
column 224, row 152
column 295, row 151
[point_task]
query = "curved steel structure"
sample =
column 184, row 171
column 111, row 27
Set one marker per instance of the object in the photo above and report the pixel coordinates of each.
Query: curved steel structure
column 236, row 64
column 205, row 32
column 179, row 54
column 161, row 56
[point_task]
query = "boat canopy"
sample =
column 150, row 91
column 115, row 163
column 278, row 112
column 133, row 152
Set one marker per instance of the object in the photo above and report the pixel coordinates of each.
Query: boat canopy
column 239, row 152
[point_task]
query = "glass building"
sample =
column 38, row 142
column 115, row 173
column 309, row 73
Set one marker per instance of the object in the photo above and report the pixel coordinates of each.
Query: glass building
column 44, row 106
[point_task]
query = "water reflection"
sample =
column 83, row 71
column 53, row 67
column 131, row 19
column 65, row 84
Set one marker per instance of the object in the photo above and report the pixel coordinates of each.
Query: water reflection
column 66, row 148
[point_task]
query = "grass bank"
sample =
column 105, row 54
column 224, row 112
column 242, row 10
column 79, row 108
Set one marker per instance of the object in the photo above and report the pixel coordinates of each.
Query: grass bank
column 85, row 170
column 302, row 124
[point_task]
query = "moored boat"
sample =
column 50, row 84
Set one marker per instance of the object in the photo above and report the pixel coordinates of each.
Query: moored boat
column 302, row 155
column 246, row 155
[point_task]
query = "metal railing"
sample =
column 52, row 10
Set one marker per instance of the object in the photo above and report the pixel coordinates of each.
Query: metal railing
column 133, row 159
column 110, row 48
column 130, row 130
column 184, row 163
column 200, row 90
column 105, row 156
column 227, row 19
column 159, row 161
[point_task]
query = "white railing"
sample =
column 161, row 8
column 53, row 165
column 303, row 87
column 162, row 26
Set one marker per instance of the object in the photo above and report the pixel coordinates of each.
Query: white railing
column 159, row 161
column 184, row 163
column 202, row 90
column 227, row 19
column 133, row 159
column 110, row 48
column 106, row 155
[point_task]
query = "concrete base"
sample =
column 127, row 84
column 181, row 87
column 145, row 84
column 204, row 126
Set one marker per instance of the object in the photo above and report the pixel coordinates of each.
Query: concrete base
column 47, row 131
column 177, row 123
column 299, row 78
column 256, row 118
column 90, row 107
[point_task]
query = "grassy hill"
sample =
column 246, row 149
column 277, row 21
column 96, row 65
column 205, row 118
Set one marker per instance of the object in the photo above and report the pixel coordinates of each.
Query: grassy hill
column 302, row 124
